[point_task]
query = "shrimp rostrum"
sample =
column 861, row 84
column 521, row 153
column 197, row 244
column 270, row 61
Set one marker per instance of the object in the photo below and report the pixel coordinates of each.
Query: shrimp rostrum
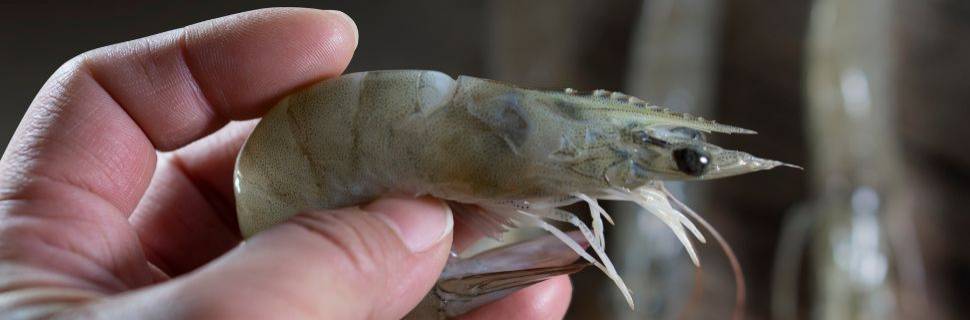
column 500, row 155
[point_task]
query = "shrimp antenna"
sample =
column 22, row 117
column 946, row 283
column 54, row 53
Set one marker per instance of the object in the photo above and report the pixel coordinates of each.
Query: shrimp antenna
column 739, row 301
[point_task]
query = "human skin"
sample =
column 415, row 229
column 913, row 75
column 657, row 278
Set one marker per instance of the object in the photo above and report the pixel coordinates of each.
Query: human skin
column 116, row 191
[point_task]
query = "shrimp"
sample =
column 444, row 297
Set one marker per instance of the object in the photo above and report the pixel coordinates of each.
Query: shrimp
column 501, row 156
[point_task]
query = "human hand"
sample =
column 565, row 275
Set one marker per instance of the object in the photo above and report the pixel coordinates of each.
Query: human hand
column 112, row 204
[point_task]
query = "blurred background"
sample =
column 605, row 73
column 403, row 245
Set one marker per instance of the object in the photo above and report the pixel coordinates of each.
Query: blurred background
column 870, row 96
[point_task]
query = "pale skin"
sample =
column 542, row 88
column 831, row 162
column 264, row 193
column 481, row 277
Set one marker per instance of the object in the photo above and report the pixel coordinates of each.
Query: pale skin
column 115, row 200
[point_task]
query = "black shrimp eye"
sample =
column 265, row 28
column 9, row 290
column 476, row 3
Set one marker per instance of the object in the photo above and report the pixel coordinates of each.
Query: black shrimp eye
column 691, row 161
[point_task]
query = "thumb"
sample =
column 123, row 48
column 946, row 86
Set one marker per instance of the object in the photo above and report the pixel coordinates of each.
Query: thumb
column 376, row 262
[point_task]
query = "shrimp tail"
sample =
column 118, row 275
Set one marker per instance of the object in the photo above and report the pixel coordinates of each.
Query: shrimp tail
column 467, row 283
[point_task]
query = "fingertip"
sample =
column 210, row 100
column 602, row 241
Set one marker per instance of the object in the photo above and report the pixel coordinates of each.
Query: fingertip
column 334, row 27
column 552, row 297
column 419, row 223
column 348, row 23
column 545, row 300
column 248, row 61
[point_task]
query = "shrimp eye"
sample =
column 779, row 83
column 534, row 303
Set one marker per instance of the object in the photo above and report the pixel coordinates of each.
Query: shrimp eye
column 691, row 161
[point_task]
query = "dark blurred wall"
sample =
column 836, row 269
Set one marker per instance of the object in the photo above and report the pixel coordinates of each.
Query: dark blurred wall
column 934, row 100
column 761, row 86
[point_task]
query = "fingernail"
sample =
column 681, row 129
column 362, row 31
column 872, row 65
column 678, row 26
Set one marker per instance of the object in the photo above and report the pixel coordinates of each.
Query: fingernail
column 419, row 223
column 350, row 21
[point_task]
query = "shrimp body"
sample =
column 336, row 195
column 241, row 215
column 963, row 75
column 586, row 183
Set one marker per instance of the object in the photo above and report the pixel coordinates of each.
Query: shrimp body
column 512, row 153
column 349, row 140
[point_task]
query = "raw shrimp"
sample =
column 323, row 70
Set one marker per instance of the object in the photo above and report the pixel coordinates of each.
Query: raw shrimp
column 500, row 155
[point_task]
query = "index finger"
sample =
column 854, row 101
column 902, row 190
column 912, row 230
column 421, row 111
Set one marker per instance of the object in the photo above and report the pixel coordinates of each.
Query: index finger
column 180, row 84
